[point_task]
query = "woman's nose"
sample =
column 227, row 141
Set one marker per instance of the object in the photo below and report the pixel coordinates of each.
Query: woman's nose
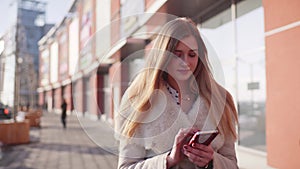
column 185, row 60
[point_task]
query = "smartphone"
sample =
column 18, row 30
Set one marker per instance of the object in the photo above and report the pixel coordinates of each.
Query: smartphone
column 204, row 137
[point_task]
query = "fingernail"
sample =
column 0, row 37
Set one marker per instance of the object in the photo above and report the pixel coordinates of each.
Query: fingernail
column 193, row 145
column 185, row 146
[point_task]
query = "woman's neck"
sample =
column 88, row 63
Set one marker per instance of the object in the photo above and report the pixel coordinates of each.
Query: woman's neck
column 179, row 86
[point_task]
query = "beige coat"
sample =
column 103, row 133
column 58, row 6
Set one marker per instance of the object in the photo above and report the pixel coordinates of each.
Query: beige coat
column 154, row 138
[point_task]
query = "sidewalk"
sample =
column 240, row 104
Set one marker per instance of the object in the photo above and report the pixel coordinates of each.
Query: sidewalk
column 55, row 147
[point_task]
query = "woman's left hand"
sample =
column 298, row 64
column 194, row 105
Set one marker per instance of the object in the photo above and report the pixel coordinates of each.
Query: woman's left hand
column 199, row 154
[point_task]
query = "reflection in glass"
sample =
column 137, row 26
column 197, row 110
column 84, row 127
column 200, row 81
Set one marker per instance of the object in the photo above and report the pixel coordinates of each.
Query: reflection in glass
column 248, row 59
column 252, row 96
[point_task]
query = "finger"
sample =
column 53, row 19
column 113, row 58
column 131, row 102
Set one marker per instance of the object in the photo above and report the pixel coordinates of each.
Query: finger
column 196, row 151
column 181, row 136
column 185, row 133
column 208, row 149
column 189, row 132
column 193, row 130
column 199, row 161
column 199, row 153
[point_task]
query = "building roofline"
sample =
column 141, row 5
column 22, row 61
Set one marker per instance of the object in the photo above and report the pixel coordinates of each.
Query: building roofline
column 56, row 27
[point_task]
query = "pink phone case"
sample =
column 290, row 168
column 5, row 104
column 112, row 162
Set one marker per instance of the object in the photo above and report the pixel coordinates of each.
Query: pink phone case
column 204, row 137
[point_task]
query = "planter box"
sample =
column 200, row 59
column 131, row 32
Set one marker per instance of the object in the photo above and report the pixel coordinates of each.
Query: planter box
column 34, row 118
column 14, row 132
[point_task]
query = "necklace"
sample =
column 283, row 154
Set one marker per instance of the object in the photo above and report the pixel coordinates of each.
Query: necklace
column 174, row 93
column 186, row 97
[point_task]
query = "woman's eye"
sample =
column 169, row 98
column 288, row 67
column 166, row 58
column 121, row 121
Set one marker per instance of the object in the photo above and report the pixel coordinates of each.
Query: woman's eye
column 192, row 54
column 178, row 54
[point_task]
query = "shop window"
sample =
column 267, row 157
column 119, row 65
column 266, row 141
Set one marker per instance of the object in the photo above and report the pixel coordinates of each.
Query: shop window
column 243, row 64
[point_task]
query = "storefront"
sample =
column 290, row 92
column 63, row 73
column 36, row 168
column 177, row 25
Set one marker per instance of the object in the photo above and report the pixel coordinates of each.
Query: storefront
column 49, row 99
column 67, row 95
column 103, row 92
column 241, row 52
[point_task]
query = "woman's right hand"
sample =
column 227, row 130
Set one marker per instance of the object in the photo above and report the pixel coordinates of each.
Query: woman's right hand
column 176, row 154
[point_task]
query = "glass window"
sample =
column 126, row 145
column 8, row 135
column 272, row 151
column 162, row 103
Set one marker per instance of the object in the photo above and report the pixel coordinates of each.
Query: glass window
column 219, row 33
column 243, row 65
column 250, row 26
column 252, row 96
column 251, row 74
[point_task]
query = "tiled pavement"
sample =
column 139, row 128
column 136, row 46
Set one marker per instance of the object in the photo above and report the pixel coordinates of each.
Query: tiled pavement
column 53, row 147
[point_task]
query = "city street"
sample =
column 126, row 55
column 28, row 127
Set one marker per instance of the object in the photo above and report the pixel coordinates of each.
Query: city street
column 52, row 146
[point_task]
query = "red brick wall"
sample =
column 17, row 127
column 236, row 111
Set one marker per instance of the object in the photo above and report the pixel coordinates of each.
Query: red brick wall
column 67, row 93
column 93, row 86
column 279, row 13
column 57, row 97
column 115, row 79
column 78, row 96
column 115, row 24
column 41, row 99
column 119, row 76
column 49, row 96
column 115, row 9
column 283, row 84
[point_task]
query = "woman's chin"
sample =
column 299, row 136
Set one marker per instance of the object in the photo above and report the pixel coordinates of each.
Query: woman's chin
column 182, row 77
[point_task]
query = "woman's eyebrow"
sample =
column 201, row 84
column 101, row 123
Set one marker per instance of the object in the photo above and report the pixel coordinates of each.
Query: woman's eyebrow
column 177, row 50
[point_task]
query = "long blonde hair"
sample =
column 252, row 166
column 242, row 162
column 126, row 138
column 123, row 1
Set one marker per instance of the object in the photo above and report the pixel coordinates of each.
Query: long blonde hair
column 143, row 86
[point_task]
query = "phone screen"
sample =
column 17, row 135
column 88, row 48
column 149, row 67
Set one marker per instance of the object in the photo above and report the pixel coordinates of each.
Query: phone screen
column 204, row 137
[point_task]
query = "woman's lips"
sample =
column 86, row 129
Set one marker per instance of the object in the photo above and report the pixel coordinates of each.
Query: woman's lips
column 183, row 71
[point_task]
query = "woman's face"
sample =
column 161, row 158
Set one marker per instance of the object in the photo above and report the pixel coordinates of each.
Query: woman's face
column 185, row 59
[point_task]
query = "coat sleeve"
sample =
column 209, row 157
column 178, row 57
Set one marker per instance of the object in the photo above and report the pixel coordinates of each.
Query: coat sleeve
column 133, row 156
column 225, row 157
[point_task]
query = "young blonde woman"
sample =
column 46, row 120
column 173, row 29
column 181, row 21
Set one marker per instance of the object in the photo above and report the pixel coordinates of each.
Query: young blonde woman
column 171, row 99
